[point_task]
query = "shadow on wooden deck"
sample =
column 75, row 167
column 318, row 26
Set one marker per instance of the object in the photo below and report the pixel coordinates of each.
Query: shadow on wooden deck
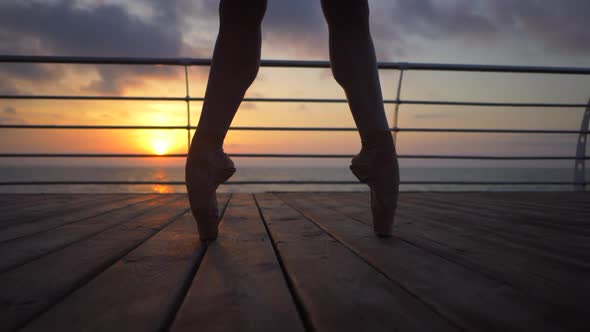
column 294, row 262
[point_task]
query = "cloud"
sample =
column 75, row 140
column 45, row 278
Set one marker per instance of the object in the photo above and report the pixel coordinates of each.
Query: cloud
column 456, row 18
column 62, row 28
column 296, row 28
column 291, row 29
column 7, row 87
column 559, row 27
column 432, row 115
column 13, row 73
column 106, row 30
column 10, row 116
column 29, row 71
column 115, row 80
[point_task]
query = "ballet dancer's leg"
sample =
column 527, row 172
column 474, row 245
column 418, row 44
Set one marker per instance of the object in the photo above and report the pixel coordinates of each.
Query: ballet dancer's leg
column 354, row 65
column 234, row 67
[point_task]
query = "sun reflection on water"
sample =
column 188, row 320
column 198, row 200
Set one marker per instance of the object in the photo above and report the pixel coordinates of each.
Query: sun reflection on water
column 160, row 175
column 162, row 189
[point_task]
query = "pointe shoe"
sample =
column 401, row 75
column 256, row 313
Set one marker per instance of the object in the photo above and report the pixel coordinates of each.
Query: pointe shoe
column 379, row 169
column 206, row 169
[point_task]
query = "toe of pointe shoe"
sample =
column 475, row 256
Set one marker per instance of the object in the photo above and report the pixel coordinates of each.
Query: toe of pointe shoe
column 380, row 171
column 203, row 176
column 208, row 228
column 383, row 226
column 383, row 230
column 384, row 235
column 206, row 214
column 383, row 207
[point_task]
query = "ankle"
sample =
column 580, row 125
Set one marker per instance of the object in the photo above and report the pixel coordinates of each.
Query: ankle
column 381, row 140
column 200, row 148
column 208, row 139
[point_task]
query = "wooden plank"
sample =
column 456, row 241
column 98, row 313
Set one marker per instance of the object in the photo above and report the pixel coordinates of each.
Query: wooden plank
column 55, row 207
column 50, row 204
column 19, row 198
column 532, row 202
column 472, row 300
column 516, row 227
column 27, row 229
column 537, row 277
column 15, row 202
column 24, row 249
column 339, row 290
column 551, row 215
column 513, row 230
column 569, row 200
column 10, row 198
column 24, row 207
column 239, row 285
column 138, row 293
column 28, row 290
column 566, row 253
column 557, row 215
column 513, row 226
column 46, row 224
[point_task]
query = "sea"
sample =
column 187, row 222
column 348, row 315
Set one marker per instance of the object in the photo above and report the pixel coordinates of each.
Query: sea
column 32, row 173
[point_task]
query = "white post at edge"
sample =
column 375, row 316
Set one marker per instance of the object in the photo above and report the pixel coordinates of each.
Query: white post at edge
column 580, row 166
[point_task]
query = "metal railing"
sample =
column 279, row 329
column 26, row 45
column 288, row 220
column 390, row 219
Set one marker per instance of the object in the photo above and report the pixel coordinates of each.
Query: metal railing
column 579, row 170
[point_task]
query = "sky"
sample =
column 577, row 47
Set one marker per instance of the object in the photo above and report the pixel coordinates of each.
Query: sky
column 524, row 32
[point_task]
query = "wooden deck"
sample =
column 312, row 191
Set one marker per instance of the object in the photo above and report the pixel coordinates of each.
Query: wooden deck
column 295, row 262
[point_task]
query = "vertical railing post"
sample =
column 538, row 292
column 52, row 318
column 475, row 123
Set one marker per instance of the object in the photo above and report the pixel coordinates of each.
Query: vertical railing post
column 580, row 166
column 188, row 110
column 397, row 103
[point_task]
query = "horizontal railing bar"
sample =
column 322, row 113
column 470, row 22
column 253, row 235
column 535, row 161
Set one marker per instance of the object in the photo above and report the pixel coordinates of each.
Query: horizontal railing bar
column 9, row 126
column 109, row 98
column 489, row 104
column 488, row 68
column 297, row 100
column 183, row 99
column 441, row 130
column 496, row 131
column 305, row 100
column 181, row 183
column 278, row 155
column 91, row 155
column 117, row 127
column 92, row 60
column 290, row 64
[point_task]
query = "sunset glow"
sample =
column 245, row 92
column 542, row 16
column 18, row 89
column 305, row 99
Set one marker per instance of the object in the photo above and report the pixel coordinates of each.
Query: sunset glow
column 485, row 35
column 161, row 142
column 160, row 147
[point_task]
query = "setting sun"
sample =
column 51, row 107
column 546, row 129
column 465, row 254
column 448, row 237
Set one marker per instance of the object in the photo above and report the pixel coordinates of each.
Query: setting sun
column 160, row 143
column 160, row 147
